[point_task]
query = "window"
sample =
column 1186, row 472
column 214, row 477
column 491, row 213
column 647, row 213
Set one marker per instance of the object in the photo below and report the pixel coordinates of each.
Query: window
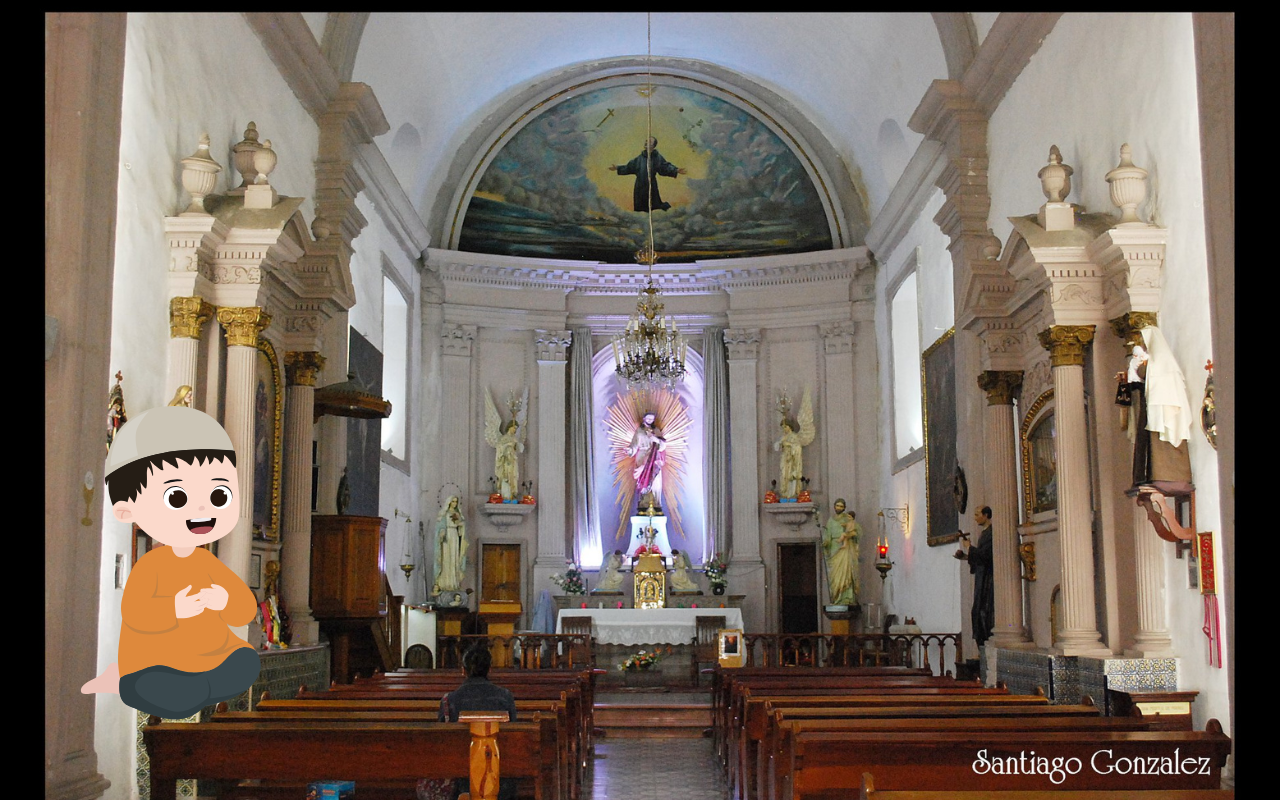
column 395, row 371
column 904, row 345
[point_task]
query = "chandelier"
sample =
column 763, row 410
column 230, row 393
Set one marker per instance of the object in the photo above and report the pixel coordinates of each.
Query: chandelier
column 650, row 352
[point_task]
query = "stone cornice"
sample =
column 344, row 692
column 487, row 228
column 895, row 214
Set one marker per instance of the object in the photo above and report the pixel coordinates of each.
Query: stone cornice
column 1132, row 260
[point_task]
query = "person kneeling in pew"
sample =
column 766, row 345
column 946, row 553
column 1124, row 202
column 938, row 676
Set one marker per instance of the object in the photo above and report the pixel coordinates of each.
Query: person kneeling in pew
column 478, row 693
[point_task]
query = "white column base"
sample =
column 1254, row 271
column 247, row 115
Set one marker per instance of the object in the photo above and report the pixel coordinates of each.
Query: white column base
column 1150, row 650
column 1010, row 641
column 306, row 630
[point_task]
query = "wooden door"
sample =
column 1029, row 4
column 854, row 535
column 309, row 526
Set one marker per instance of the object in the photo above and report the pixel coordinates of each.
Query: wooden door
column 797, row 588
column 500, row 568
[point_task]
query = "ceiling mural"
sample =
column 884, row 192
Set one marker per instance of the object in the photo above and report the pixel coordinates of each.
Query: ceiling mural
column 571, row 183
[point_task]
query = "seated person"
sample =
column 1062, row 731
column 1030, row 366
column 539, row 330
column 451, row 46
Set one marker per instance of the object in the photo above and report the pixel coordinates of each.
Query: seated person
column 477, row 693
column 172, row 471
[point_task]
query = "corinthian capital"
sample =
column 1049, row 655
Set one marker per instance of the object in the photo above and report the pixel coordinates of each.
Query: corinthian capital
column 742, row 343
column 1066, row 344
column 1001, row 387
column 301, row 366
column 1128, row 325
column 187, row 316
column 243, row 324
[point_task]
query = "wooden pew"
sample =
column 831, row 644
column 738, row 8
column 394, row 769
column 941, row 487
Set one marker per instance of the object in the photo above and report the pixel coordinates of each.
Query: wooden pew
column 361, row 751
column 824, row 765
column 869, row 792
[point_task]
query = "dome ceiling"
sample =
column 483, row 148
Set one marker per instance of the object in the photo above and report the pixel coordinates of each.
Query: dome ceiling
column 450, row 86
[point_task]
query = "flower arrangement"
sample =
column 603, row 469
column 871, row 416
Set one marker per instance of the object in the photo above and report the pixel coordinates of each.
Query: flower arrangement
column 570, row 580
column 715, row 569
column 641, row 660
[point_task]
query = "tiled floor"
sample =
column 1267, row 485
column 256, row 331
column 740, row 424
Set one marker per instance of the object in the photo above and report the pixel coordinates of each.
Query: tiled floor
column 647, row 769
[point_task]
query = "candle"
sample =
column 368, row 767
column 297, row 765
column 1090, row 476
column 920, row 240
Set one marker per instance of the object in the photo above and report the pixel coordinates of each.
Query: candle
column 617, row 359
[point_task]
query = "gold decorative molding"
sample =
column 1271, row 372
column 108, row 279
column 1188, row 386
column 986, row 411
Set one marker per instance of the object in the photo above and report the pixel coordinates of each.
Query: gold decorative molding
column 1027, row 555
column 301, row 366
column 243, row 324
column 187, row 316
column 1001, row 386
column 277, row 425
column 1128, row 325
column 1066, row 344
column 1024, row 430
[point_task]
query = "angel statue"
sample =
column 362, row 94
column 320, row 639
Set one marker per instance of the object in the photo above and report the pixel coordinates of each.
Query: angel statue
column 792, row 444
column 507, row 440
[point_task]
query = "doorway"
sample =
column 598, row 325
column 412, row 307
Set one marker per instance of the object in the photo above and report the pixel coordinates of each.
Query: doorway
column 798, row 588
column 500, row 572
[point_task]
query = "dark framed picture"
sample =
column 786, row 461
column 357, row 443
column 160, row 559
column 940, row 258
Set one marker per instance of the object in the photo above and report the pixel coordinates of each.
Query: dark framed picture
column 731, row 651
column 938, row 386
column 255, row 571
column 1039, row 459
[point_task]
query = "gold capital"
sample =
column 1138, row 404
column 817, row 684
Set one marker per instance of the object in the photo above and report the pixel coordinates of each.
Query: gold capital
column 187, row 316
column 1066, row 344
column 301, row 366
column 1126, row 326
column 243, row 324
column 1001, row 387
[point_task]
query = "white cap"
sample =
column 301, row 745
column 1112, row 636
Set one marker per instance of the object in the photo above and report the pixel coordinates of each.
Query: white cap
column 164, row 430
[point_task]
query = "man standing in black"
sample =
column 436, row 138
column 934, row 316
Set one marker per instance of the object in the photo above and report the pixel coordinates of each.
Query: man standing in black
column 646, row 180
column 477, row 693
column 979, row 556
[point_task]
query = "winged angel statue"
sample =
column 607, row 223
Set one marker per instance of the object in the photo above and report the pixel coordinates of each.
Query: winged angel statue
column 792, row 443
column 507, row 439
column 648, row 442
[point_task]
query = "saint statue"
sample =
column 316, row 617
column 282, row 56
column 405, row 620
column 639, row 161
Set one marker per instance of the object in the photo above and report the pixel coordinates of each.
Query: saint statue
column 1154, row 387
column 840, row 545
column 451, row 548
column 680, row 580
column 792, row 443
column 507, row 440
column 611, row 575
column 648, row 446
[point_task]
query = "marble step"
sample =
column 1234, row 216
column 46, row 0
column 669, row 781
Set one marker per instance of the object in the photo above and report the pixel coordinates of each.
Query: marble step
column 647, row 720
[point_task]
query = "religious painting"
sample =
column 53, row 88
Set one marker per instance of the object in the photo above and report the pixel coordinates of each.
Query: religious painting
column 268, row 454
column 730, row 650
column 938, row 381
column 575, row 179
column 364, row 436
column 1039, row 459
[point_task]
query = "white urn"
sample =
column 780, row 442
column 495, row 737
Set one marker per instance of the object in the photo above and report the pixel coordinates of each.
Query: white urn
column 264, row 160
column 1128, row 187
column 1055, row 177
column 243, row 154
column 199, row 176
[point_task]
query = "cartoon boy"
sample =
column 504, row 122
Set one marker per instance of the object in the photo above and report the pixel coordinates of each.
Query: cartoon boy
column 172, row 470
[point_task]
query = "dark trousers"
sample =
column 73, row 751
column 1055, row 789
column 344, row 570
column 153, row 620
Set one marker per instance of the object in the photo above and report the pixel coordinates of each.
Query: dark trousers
column 172, row 694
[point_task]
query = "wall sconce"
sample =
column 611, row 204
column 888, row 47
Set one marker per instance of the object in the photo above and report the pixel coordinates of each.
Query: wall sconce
column 902, row 516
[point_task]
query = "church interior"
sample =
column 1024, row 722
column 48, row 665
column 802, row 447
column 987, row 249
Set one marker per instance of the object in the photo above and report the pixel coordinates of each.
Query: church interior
column 833, row 354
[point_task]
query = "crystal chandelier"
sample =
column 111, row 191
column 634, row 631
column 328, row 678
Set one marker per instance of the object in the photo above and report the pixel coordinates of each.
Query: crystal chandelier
column 650, row 352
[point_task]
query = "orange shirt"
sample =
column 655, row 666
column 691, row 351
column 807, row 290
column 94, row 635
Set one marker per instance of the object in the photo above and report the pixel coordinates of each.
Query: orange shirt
column 153, row 635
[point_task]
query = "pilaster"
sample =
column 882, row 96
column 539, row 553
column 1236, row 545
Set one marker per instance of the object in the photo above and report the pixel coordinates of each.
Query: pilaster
column 551, row 348
column 746, row 568
column 837, row 343
column 455, row 452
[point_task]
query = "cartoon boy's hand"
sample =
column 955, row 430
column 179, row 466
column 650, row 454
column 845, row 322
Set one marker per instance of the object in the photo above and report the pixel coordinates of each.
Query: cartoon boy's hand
column 185, row 607
column 215, row 597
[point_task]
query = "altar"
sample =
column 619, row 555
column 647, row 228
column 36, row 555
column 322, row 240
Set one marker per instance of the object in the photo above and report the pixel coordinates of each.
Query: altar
column 631, row 626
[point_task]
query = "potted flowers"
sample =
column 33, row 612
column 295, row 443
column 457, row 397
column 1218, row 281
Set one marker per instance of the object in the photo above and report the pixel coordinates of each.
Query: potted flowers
column 570, row 580
column 640, row 661
column 715, row 569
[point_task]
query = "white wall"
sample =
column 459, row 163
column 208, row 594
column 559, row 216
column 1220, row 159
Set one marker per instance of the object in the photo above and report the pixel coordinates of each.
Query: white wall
column 185, row 74
column 1100, row 80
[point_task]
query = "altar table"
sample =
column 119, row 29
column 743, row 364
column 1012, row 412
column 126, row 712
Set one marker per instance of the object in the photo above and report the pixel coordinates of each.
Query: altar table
column 648, row 625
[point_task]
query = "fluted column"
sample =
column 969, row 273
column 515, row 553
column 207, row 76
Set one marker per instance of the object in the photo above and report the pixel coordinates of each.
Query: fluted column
column 837, row 343
column 1001, row 482
column 553, row 520
column 300, row 375
column 242, row 325
column 746, row 569
column 1078, row 634
column 187, row 317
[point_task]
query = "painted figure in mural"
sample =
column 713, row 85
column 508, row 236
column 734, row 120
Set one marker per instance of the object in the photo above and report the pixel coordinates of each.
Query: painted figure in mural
column 980, row 556
column 647, row 180
column 792, row 443
column 507, row 440
column 648, row 445
column 611, row 575
column 680, row 580
column 840, row 540
column 451, row 547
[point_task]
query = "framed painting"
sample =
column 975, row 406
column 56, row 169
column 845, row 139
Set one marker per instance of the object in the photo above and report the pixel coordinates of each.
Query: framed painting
column 730, row 647
column 268, row 452
column 1039, row 458
column 938, row 389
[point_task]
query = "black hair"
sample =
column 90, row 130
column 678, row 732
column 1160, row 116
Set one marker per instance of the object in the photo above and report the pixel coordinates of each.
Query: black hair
column 476, row 661
column 126, row 482
column 986, row 511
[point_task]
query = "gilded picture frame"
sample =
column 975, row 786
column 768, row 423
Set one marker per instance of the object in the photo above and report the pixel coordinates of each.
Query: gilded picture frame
column 1039, row 470
column 268, row 450
column 730, row 647
column 938, row 408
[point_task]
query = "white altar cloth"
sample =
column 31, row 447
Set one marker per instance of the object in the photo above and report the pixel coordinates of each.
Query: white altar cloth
column 631, row 626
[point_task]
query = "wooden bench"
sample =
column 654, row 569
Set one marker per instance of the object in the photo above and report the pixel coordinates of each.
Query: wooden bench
column 824, row 765
column 302, row 751
column 869, row 792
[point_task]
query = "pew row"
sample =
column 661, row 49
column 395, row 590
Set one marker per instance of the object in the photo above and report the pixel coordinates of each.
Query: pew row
column 869, row 792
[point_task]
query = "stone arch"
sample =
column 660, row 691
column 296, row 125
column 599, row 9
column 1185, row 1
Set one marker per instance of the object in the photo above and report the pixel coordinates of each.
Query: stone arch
column 959, row 40
column 342, row 32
